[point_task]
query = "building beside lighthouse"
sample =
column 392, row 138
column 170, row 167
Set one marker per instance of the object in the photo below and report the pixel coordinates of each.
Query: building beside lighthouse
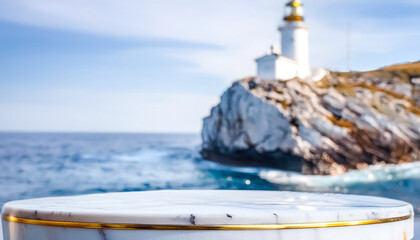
column 293, row 58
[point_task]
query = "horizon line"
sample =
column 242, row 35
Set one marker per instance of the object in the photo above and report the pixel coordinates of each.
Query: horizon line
column 93, row 132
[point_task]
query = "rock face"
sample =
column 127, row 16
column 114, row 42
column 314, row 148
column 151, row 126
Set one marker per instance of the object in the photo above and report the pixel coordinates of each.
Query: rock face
column 344, row 121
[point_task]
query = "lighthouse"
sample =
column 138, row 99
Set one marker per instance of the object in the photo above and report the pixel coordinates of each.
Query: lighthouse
column 293, row 59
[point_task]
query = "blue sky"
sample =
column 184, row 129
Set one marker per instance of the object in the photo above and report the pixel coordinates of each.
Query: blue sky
column 159, row 65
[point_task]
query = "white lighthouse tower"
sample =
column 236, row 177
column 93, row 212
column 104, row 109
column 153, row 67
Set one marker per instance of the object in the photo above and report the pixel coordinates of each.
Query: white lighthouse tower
column 293, row 60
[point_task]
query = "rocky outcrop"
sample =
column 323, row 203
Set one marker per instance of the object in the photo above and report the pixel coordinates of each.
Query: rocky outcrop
column 344, row 121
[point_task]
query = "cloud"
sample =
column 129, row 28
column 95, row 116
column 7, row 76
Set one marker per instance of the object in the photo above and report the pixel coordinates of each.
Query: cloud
column 202, row 21
column 237, row 32
column 244, row 29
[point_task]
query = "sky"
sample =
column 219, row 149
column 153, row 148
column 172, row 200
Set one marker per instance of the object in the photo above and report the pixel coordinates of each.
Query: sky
column 160, row 65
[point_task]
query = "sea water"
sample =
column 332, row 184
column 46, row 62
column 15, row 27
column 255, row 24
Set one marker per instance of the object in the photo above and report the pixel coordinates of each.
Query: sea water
column 57, row 164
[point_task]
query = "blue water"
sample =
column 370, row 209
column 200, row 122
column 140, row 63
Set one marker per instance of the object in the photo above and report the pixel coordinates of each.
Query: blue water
column 39, row 165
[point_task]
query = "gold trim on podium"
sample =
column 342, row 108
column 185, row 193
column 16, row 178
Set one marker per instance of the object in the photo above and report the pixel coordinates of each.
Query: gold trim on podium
column 122, row 226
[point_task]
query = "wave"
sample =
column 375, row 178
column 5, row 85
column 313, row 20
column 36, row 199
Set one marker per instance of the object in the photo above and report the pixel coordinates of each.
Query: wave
column 56, row 165
column 370, row 175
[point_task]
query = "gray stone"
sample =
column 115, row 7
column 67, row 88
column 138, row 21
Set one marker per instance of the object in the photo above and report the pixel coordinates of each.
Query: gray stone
column 302, row 126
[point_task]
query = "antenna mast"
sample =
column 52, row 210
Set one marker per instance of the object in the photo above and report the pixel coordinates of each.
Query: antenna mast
column 348, row 46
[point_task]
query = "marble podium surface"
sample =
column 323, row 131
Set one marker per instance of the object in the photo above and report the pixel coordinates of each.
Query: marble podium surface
column 170, row 215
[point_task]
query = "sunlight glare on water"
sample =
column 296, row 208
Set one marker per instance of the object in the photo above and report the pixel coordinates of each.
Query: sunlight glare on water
column 40, row 165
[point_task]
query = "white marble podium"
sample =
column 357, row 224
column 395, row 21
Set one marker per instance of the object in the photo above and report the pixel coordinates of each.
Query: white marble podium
column 208, row 215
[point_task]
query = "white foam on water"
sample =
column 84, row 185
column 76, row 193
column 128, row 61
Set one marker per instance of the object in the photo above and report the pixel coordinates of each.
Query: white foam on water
column 144, row 155
column 373, row 174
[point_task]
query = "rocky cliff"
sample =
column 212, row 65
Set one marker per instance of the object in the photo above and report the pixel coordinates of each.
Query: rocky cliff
column 343, row 121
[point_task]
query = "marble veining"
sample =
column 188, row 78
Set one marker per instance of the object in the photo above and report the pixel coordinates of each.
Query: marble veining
column 208, row 208
column 391, row 231
column 195, row 208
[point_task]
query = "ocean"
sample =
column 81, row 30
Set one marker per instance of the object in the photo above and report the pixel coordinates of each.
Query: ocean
column 60, row 164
